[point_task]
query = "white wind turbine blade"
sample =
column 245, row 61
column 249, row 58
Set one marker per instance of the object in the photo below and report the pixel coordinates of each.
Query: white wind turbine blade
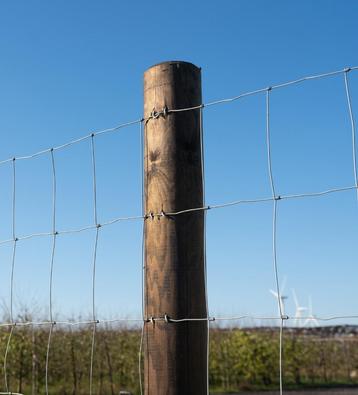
column 310, row 309
column 283, row 285
column 282, row 303
column 295, row 299
column 279, row 300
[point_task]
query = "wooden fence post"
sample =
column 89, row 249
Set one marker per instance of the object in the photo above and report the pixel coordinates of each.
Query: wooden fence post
column 175, row 354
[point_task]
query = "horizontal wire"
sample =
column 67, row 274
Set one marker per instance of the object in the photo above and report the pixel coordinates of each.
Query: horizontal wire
column 180, row 212
column 315, row 194
column 337, row 317
column 72, row 142
column 246, row 201
column 274, row 198
column 70, row 323
column 209, row 104
column 71, row 231
column 261, row 90
column 252, row 317
column 173, row 320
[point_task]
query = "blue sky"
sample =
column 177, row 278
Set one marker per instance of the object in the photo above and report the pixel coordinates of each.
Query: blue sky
column 69, row 68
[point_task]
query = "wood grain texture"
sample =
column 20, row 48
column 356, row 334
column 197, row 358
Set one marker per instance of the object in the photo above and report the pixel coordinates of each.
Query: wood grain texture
column 175, row 353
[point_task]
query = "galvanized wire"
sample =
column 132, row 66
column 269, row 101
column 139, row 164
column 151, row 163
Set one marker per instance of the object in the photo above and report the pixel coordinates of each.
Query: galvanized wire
column 52, row 259
column 48, row 358
column 13, row 258
column 94, row 261
column 12, row 327
column 147, row 216
column 353, row 128
column 202, row 152
column 274, row 230
column 181, row 212
column 139, row 320
column 168, row 111
column 140, row 352
column 73, row 142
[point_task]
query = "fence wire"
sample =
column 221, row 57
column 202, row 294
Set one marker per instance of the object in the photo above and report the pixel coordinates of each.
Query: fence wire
column 94, row 322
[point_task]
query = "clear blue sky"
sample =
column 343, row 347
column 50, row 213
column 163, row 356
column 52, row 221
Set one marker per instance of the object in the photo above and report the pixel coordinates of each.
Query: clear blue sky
column 68, row 68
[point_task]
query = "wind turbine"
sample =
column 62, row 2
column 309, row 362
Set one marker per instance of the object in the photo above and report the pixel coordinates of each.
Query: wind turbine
column 299, row 311
column 280, row 299
column 311, row 320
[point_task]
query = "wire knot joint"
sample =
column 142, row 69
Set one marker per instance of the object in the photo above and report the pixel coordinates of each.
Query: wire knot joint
column 156, row 114
column 150, row 215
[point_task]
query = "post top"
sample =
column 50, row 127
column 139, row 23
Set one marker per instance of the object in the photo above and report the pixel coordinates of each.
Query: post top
column 172, row 63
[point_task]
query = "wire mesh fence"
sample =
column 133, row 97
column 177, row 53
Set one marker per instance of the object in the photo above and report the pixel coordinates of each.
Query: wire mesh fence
column 34, row 334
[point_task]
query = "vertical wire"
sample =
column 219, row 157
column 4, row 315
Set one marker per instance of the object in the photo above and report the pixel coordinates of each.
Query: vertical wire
column 13, row 198
column 140, row 359
column 54, row 235
column 141, row 137
column 94, row 178
column 5, row 358
column 14, row 238
column 48, row 357
column 274, row 254
column 33, row 359
column 92, row 356
column 280, row 355
column 13, row 258
column 353, row 127
column 94, row 261
column 274, row 250
column 268, row 143
column 145, row 293
column 95, row 322
column 54, row 198
column 274, row 231
column 275, row 198
column 201, row 131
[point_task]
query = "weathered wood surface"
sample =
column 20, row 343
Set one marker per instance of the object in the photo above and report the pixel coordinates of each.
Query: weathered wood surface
column 175, row 353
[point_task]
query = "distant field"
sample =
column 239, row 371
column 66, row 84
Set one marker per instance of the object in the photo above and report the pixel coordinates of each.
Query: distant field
column 239, row 359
